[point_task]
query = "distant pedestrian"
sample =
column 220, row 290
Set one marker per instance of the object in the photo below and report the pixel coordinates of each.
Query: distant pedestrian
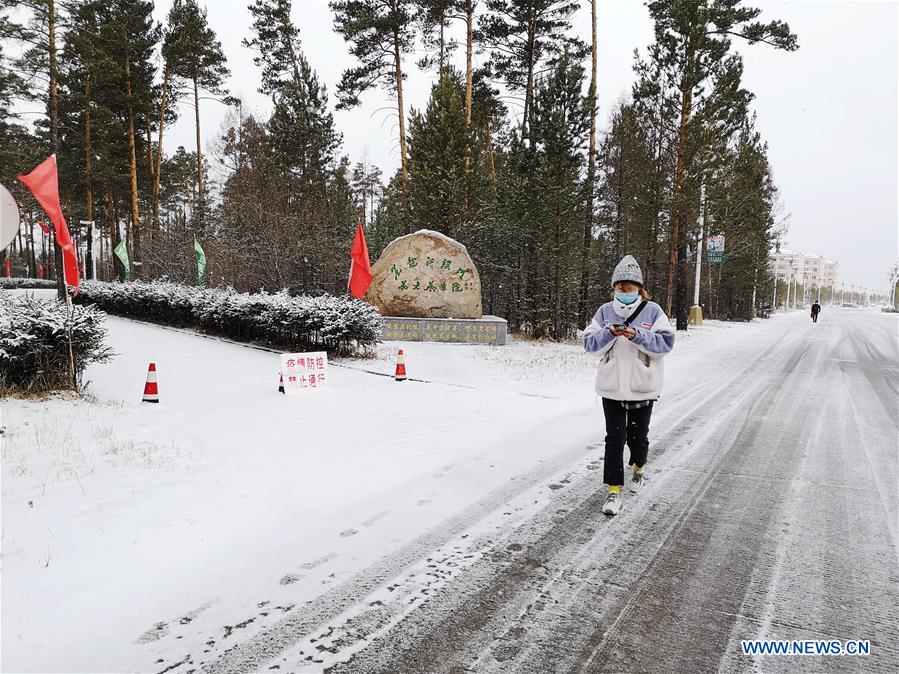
column 816, row 309
column 632, row 335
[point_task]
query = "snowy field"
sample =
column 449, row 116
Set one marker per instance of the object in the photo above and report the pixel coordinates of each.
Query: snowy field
column 141, row 537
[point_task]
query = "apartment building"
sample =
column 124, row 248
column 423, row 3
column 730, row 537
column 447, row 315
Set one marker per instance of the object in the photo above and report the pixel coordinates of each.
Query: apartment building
column 808, row 270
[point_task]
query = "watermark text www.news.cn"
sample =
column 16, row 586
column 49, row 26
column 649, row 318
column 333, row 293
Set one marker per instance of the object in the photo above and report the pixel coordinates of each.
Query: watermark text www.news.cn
column 805, row 647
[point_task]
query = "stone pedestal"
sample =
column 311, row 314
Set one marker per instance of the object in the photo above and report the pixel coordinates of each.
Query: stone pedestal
column 484, row 330
column 695, row 315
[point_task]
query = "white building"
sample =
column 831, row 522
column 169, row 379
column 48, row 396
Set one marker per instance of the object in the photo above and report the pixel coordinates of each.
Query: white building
column 806, row 270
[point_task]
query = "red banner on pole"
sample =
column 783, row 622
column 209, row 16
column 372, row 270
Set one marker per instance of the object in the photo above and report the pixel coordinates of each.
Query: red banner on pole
column 360, row 270
column 43, row 182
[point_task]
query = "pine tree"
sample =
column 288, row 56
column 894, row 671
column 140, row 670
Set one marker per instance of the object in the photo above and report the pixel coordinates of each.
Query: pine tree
column 195, row 54
column 381, row 33
column 433, row 18
column 561, row 128
column 740, row 204
column 134, row 37
column 367, row 188
column 692, row 46
column 438, row 138
column 521, row 36
column 583, row 315
column 302, row 143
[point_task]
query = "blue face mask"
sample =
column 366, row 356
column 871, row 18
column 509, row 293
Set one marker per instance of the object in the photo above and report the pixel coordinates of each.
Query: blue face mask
column 627, row 298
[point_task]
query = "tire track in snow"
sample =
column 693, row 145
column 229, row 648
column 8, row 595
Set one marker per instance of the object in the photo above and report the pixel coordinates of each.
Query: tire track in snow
column 584, row 510
column 676, row 414
column 477, row 623
column 457, row 632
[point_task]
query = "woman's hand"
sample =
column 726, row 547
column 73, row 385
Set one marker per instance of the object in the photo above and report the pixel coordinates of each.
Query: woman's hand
column 630, row 333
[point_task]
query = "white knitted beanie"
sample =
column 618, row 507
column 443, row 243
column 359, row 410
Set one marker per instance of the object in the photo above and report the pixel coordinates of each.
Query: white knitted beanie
column 627, row 270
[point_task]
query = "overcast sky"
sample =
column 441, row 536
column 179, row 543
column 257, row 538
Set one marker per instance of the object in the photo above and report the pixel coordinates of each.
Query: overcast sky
column 828, row 111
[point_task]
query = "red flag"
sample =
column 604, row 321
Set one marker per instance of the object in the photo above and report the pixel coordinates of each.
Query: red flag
column 43, row 226
column 360, row 269
column 43, row 182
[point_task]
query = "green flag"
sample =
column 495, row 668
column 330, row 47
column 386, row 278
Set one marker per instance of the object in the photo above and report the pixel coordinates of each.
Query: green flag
column 201, row 262
column 121, row 252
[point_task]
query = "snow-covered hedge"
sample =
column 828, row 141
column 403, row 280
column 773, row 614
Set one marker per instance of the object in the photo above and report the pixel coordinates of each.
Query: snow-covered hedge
column 340, row 325
column 34, row 349
column 29, row 283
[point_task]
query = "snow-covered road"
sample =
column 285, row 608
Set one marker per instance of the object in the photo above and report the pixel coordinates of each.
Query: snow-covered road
column 456, row 524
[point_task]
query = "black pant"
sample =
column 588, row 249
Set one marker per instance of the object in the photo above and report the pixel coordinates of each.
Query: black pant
column 814, row 317
column 630, row 426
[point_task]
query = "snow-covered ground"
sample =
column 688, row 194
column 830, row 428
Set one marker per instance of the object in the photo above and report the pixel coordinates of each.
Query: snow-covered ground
column 140, row 537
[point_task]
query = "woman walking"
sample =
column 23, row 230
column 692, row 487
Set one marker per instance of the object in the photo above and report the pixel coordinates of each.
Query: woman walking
column 632, row 336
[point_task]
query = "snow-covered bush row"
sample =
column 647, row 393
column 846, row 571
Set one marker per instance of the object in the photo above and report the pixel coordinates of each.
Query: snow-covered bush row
column 34, row 349
column 340, row 325
column 29, row 283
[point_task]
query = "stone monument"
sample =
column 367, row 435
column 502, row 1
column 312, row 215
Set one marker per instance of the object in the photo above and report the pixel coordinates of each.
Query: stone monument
column 428, row 289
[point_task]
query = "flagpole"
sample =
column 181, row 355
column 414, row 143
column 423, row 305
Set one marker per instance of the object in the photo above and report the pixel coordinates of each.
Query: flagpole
column 70, row 317
column 350, row 278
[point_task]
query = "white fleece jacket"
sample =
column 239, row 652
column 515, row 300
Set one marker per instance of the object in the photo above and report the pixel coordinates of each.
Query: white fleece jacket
column 630, row 369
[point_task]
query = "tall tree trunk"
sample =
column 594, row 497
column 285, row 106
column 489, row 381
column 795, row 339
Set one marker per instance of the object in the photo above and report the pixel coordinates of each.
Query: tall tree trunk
column 529, row 88
column 557, row 270
column 54, row 134
column 591, row 178
column 469, row 45
column 89, row 206
column 285, row 34
column 201, row 204
column 490, row 158
column 45, row 258
column 135, row 213
column 442, row 49
column 398, row 74
column 148, row 216
column 101, row 272
column 31, row 238
column 154, row 191
column 620, row 204
column 679, row 175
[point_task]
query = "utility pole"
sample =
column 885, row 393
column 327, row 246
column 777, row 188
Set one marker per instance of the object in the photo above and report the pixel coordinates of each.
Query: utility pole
column 774, row 301
column 789, row 286
column 695, row 317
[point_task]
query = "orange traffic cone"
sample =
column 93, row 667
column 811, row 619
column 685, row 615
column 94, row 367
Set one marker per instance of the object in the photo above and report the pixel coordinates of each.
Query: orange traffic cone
column 281, row 383
column 400, row 367
column 151, row 392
